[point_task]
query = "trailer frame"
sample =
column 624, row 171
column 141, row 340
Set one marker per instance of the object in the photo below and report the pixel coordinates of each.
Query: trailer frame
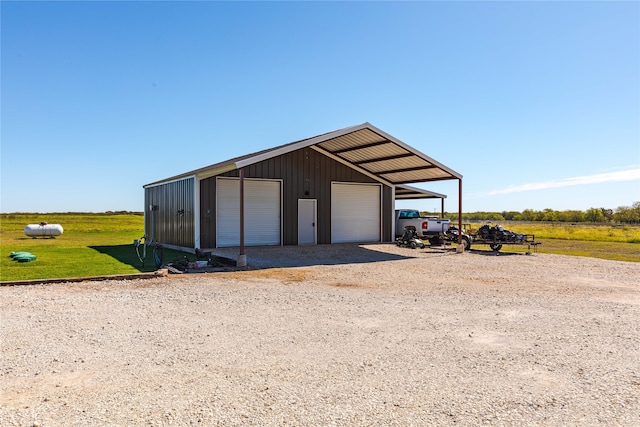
column 496, row 245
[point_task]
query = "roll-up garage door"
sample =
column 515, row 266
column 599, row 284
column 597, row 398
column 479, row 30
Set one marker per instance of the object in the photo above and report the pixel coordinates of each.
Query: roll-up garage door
column 262, row 205
column 355, row 213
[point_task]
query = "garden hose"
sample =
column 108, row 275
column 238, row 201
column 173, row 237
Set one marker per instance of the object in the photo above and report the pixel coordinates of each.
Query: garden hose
column 142, row 241
column 158, row 255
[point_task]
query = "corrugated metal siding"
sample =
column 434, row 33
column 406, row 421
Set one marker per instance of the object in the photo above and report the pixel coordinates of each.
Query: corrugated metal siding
column 363, row 145
column 397, row 164
column 415, row 176
column 387, row 213
column 172, row 220
column 305, row 173
column 208, row 213
column 361, row 137
column 375, row 152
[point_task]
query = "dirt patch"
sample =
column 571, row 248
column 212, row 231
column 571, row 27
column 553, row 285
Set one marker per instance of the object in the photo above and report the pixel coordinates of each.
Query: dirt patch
column 348, row 285
column 286, row 276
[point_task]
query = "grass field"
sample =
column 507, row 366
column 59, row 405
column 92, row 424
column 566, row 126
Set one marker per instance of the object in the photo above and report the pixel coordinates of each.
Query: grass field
column 101, row 244
column 91, row 245
column 620, row 243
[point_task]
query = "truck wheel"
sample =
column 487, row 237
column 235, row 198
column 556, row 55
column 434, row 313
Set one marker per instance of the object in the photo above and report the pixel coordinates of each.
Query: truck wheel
column 434, row 241
column 495, row 246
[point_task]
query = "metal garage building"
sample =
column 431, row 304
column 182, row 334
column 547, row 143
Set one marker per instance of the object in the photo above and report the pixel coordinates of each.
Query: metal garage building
column 333, row 188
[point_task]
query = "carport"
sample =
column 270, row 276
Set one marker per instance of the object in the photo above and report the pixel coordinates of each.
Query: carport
column 382, row 156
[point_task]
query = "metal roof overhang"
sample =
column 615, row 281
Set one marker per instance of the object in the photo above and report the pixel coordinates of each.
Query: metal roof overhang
column 406, row 192
column 380, row 154
column 363, row 147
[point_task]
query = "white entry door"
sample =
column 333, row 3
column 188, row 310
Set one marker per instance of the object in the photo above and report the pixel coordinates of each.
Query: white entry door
column 307, row 212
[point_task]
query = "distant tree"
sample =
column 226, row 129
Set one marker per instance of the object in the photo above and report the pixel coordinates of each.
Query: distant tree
column 628, row 214
column 571, row 216
column 529, row 215
column 624, row 214
column 607, row 213
column 512, row 215
column 549, row 215
column 486, row 216
column 594, row 215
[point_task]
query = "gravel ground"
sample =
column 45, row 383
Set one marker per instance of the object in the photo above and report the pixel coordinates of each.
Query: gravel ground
column 332, row 336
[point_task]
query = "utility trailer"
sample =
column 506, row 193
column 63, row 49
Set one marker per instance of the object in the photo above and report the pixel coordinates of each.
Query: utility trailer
column 496, row 236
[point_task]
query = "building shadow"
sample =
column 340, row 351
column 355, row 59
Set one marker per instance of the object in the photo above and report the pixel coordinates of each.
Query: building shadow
column 313, row 255
column 496, row 253
column 126, row 254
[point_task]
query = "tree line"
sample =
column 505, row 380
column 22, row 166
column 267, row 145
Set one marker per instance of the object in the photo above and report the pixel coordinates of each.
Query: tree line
column 107, row 213
column 622, row 214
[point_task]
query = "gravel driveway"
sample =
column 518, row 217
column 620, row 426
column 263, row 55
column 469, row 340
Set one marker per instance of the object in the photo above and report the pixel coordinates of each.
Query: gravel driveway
column 338, row 335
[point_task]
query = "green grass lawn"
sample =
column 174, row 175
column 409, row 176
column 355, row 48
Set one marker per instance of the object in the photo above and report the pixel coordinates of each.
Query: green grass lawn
column 91, row 245
column 102, row 244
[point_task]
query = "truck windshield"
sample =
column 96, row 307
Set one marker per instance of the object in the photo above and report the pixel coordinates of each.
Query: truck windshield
column 409, row 214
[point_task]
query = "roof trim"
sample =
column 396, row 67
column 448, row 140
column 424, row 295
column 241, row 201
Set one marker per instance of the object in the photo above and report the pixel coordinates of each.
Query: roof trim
column 171, row 180
column 409, row 192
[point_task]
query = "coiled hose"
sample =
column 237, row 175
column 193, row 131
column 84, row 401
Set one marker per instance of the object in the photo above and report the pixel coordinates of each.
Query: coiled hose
column 158, row 251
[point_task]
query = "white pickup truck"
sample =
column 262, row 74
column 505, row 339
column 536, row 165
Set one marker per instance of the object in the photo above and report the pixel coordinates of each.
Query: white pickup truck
column 426, row 226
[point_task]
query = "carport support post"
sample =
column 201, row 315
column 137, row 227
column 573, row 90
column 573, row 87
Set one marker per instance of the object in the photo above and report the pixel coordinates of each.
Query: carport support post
column 460, row 247
column 242, row 258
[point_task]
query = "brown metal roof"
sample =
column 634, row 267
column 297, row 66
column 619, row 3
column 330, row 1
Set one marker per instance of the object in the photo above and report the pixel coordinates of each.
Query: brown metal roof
column 363, row 147
column 405, row 192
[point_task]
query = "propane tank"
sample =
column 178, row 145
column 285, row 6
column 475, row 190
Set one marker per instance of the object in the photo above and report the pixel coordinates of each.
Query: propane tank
column 43, row 230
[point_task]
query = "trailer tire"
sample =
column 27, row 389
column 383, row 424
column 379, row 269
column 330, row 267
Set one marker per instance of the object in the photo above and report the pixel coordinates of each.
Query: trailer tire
column 495, row 246
column 466, row 243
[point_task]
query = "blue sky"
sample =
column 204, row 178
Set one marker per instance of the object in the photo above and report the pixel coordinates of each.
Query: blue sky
column 537, row 104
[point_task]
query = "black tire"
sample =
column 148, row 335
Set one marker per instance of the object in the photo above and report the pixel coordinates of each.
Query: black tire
column 413, row 245
column 495, row 246
column 434, row 241
column 466, row 242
